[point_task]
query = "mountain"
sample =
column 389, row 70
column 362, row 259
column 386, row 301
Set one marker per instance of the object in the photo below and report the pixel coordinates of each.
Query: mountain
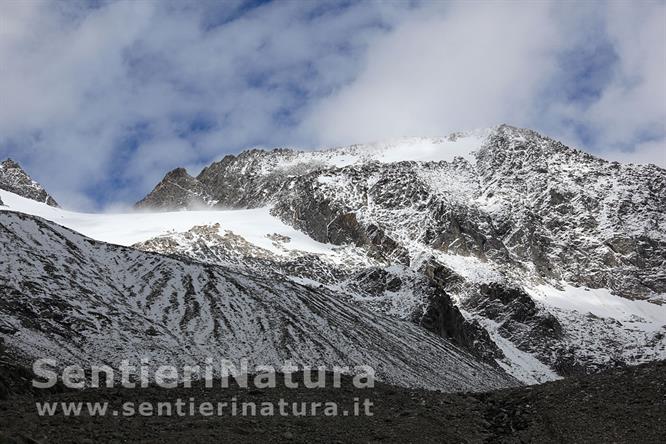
column 521, row 198
column 255, row 176
column 528, row 255
column 539, row 256
column 17, row 181
column 82, row 301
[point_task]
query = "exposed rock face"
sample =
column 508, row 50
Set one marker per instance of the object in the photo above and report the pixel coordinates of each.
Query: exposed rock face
column 568, row 209
column 519, row 318
column 520, row 211
column 236, row 181
column 17, row 181
column 526, row 200
column 443, row 317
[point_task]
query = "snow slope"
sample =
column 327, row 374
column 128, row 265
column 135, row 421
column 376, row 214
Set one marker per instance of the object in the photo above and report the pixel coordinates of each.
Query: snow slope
column 600, row 302
column 130, row 228
column 413, row 149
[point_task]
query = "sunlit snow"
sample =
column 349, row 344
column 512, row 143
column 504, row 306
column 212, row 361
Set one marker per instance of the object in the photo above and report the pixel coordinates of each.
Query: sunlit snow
column 600, row 302
column 129, row 228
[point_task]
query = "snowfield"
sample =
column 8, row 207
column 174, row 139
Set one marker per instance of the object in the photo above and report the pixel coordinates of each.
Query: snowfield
column 637, row 319
column 411, row 149
column 130, row 228
column 642, row 315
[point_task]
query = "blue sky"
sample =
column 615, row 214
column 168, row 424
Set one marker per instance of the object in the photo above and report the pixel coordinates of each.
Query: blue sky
column 100, row 99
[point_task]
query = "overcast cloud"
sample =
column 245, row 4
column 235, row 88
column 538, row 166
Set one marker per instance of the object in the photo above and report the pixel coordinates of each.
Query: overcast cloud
column 100, row 99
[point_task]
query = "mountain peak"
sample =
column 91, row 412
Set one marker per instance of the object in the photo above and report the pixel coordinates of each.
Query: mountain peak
column 14, row 179
column 177, row 190
column 10, row 163
column 252, row 176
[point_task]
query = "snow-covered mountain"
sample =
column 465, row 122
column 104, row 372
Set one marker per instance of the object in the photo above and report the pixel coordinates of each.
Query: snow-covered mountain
column 530, row 255
column 557, row 256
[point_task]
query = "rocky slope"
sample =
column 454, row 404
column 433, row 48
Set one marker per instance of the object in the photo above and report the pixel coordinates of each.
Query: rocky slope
column 503, row 240
column 622, row 406
column 15, row 180
column 81, row 301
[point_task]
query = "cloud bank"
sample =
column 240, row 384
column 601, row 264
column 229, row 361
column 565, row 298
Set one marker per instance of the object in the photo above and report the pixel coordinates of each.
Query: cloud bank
column 100, row 99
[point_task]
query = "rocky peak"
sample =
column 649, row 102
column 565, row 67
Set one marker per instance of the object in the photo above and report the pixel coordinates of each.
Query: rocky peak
column 518, row 198
column 15, row 180
column 177, row 190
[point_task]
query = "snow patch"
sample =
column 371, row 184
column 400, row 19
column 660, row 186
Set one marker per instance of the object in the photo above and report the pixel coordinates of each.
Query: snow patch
column 639, row 314
column 521, row 365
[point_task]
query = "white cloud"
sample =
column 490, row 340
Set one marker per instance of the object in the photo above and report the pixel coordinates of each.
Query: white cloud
column 646, row 152
column 479, row 64
column 636, row 99
column 628, row 119
column 441, row 71
column 92, row 97
column 73, row 90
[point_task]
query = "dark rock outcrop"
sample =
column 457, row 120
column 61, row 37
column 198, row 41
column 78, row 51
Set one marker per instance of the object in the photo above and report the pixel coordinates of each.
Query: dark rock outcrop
column 443, row 318
column 177, row 190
